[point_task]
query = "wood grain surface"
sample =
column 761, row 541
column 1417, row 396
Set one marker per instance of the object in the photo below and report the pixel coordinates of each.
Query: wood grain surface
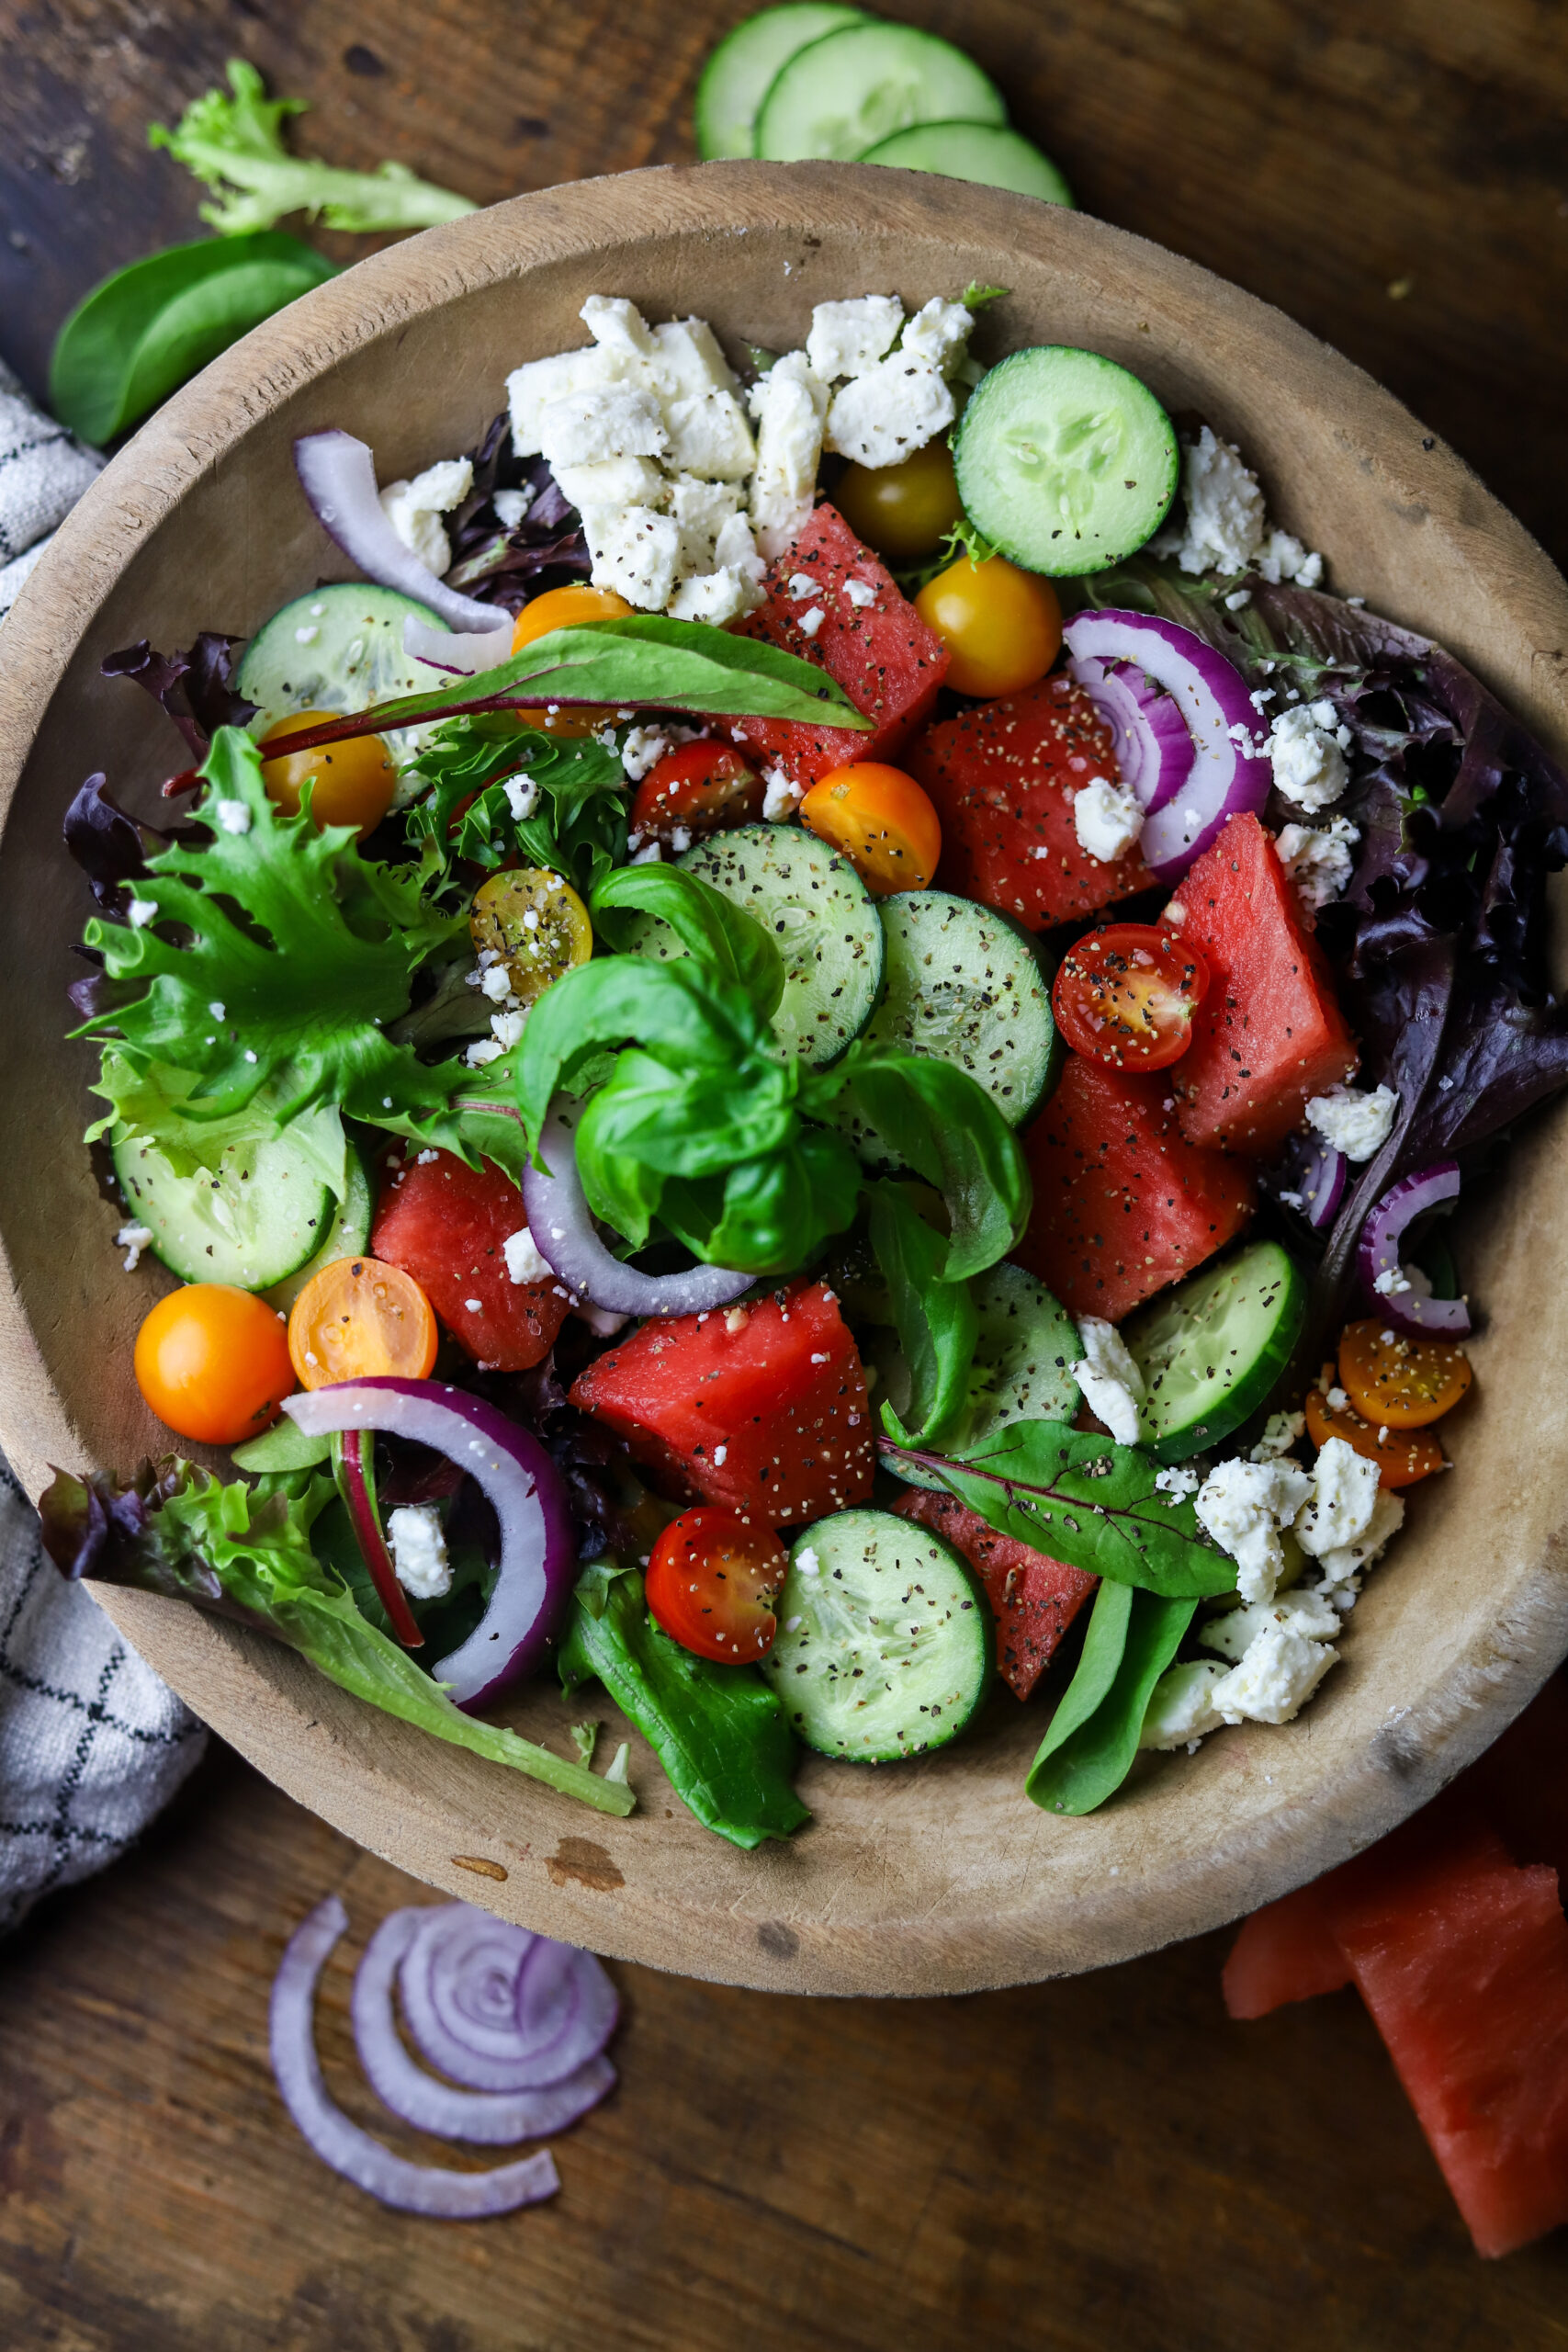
column 1098, row 2162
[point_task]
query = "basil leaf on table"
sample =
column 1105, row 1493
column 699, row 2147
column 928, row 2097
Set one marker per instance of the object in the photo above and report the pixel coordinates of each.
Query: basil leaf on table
column 936, row 1320
column 709, row 925
column 1088, row 1749
column 943, row 1124
column 718, row 1731
column 149, row 328
column 1085, row 1500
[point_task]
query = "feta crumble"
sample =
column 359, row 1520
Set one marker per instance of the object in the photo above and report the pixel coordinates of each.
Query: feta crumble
column 414, row 510
column 883, row 416
column 1344, row 1492
column 1110, row 1383
column 419, row 1551
column 1274, row 1679
column 643, row 748
column 1233, row 1631
column 524, row 1262
column 133, row 1238
column 1224, row 526
column 782, row 797
column 1343, row 1564
column 483, row 1050
column 140, row 913
column 496, row 984
column 1181, row 1708
column 1178, row 1480
column 859, row 593
column 1280, row 1431
column 848, row 338
column 789, row 404
column 1107, row 818
column 1319, row 864
column 1358, row 1124
column 812, row 621
column 1246, row 1506
column 1306, row 752
column 511, row 505
column 521, row 797
column 233, row 816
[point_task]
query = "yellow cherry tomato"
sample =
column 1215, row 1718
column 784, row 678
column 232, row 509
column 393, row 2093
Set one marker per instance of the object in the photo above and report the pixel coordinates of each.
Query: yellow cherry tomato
column 359, row 1319
column 881, row 821
column 1002, row 626
column 568, row 607
column 906, row 510
column 212, row 1361
column 1398, row 1383
column 352, row 783
column 535, row 922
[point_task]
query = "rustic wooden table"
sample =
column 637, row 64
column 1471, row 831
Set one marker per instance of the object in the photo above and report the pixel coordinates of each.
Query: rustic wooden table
column 1102, row 2162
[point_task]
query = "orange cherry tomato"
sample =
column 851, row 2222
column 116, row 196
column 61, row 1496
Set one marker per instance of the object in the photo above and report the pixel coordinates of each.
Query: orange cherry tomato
column 1126, row 995
column 359, row 1319
column 882, row 821
column 212, row 1361
column 1403, row 1456
column 712, row 1580
column 569, row 607
column 701, row 788
column 906, row 510
column 351, row 783
column 1001, row 625
column 1397, row 1383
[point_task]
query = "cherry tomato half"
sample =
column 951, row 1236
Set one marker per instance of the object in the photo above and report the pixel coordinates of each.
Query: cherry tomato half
column 1126, row 995
column 882, row 821
column 1002, row 626
column 905, row 511
column 212, row 1360
column 701, row 788
column 359, row 1319
column 1403, row 1456
column 1397, row 1383
column 713, row 1577
column 569, row 607
column 351, row 783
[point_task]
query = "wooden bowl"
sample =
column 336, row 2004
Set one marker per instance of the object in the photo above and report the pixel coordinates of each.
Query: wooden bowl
column 928, row 1877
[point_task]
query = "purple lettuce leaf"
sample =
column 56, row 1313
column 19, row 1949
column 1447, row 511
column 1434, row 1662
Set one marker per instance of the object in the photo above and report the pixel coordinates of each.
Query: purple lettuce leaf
column 195, row 687
column 503, row 566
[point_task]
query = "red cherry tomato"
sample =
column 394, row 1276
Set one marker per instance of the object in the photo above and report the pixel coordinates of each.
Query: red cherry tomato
column 1126, row 995
column 713, row 1577
column 701, row 788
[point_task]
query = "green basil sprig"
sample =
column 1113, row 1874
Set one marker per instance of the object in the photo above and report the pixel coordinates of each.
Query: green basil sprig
column 1088, row 1749
column 707, row 925
column 928, row 1115
column 936, row 1320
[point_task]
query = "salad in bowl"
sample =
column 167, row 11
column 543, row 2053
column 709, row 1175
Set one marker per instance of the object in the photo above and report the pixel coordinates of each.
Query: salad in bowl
column 808, row 1056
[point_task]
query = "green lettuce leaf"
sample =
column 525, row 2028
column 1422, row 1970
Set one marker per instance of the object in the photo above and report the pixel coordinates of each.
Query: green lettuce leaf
column 149, row 1100
column 1088, row 1751
column 579, row 824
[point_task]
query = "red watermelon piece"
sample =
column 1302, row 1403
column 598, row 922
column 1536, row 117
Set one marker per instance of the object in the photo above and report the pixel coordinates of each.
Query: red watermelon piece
column 1034, row 1599
column 888, row 663
column 1287, row 1952
column 1003, row 777
column 1269, row 1034
column 446, row 1224
column 761, row 1407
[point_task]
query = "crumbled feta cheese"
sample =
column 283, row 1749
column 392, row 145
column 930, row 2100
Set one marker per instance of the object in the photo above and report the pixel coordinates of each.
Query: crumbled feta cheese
column 233, row 816
column 789, row 404
column 1308, row 763
column 805, row 1561
column 1393, row 1283
column 584, row 428
column 1357, row 1125
column 1284, row 558
column 618, row 325
column 133, row 1238
column 522, row 796
column 1233, row 1631
column 309, row 634
column 537, row 385
column 883, row 416
column 1319, row 864
column 812, row 621
column 1244, row 1506
column 708, row 436
column 1280, row 1431
column 939, row 333
column 652, row 854
column 1181, row 1709
column 1344, row 1490
column 635, row 551
column 801, row 585
column 1274, row 1680
column 701, row 510
column 1111, row 1385
column 1107, row 818
column 414, row 509
column 782, row 797
column 848, row 338
column 496, row 983
column 218, row 1008
column 1178, row 1480
column 719, row 596
column 643, row 748
column 1224, row 526
column 419, row 1551
column 612, row 482
column 1340, row 1565
column 524, row 1262
column 507, row 1028
column 511, row 505
column 140, row 913
column 859, row 593
column 483, row 1050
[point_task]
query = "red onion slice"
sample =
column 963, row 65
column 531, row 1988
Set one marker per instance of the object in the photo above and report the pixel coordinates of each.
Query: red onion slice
column 1149, row 735
column 366, row 1518
column 539, row 1551
column 1311, row 1180
column 1410, row 1308
column 461, row 657
column 407, row 2188
column 489, row 2119
column 337, row 474
column 1228, row 776
column 562, row 1226
column 498, row 2008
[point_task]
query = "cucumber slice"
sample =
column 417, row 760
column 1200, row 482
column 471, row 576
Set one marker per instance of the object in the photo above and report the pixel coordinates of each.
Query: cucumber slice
column 1064, row 461
column 885, row 1640
column 985, row 152
column 1212, row 1349
column 818, row 914
column 851, row 89
column 962, row 986
column 1024, row 1350
column 347, row 1237
column 253, row 1222
column 340, row 648
column 736, row 78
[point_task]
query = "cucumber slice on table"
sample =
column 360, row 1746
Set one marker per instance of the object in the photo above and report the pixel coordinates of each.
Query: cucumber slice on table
column 339, row 649
column 962, row 986
column 817, row 913
column 252, row 1222
column 1022, row 1369
column 985, row 152
column 885, row 1639
column 739, row 74
column 1064, row 461
column 1212, row 1349
column 853, row 88
column 348, row 1235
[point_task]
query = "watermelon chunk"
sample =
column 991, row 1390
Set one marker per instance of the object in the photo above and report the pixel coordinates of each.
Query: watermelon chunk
column 761, row 1407
column 1033, row 1598
column 447, row 1224
column 888, row 663
column 1269, row 1034
column 1124, row 1203
column 1287, row 1952
column 1003, row 777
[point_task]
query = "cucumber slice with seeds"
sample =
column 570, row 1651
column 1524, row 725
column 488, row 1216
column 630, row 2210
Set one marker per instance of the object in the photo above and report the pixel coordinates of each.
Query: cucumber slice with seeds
column 885, row 1639
column 340, row 648
column 252, row 1222
column 851, row 89
column 348, row 1235
column 1212, row 1349
column 741, row 72
column 1021, row 1371
column 984, row 152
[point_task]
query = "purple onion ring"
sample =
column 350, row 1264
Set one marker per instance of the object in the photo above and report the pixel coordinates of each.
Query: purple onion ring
column 500, row 2009
column 562, row 1226
column 337, row 474
column 1149, row 737
column 1411, row 1308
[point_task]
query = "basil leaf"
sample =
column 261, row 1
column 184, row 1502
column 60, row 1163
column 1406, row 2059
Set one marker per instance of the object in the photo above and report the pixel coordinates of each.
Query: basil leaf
column 941, row 1124
column 1093, row 1737
column 719, row 1732
column 1085, row 1500
column 146, row 330
column 709, row 924
column 770, row 1215
column 688, row 1017
column 936, row 1320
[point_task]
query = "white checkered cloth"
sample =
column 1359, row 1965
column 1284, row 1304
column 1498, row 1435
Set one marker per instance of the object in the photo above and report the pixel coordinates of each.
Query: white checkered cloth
column 91, row 1743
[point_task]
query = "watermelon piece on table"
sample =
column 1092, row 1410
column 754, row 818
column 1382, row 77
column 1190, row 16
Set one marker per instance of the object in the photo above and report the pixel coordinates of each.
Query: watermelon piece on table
column 1287, row 1952
column 1003, row 777
column 1033, row 1598
column 1269, row 1034
column 888, row 663
column 761, row 1408
column 1124, row 1203
column 446, row 1224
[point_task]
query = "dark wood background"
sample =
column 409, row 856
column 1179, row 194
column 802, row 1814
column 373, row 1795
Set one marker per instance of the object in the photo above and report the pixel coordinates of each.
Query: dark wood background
column 1097, row 2166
